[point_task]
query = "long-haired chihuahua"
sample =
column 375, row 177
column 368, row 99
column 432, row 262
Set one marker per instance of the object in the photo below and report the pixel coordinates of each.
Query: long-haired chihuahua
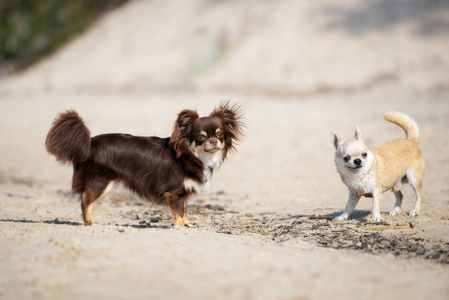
column 163, row 170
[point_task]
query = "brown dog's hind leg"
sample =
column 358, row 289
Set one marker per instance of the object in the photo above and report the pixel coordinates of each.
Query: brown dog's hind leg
column 94, row 190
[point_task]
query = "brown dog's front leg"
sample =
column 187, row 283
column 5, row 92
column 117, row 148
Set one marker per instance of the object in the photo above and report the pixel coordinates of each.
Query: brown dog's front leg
column 186, row 220
column 176, row 205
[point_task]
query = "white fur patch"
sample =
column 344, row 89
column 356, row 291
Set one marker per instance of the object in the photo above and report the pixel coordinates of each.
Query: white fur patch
column 191, row 185
column 361, row 181
column 211, row 161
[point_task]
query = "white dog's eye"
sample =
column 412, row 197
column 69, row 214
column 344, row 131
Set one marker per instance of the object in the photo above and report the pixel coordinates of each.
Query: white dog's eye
column 346, row 158
column 364, row 155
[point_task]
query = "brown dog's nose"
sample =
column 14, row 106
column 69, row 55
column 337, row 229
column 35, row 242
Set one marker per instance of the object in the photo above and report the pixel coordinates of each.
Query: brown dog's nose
column 213, row 142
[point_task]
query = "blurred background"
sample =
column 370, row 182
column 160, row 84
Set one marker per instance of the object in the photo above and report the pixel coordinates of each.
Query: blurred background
column 31, row 30
column 282, row 48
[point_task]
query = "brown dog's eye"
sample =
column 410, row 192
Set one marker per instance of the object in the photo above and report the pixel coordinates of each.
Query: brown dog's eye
column 219, row 134
column 364, row 155
column 201, row 137
column 346, row 158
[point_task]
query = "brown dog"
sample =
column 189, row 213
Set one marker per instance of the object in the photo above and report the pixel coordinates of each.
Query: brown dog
column 163, row 170
column 370, row 172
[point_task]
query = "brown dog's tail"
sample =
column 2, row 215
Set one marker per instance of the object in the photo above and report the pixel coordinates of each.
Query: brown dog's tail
column 405, row 122
column 68, row 138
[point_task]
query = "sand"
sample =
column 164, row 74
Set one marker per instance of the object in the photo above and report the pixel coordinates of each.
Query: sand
column 263, row 231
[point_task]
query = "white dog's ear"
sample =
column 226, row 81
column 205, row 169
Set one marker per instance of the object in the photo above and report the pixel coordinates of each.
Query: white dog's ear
column 358, row 134
column 336, row 140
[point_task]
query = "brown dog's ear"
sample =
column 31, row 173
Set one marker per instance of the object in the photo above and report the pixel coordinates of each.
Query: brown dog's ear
column 185, row 120
column 231, row 118
column 336, row 140
column 358, row 134
column 182, row 129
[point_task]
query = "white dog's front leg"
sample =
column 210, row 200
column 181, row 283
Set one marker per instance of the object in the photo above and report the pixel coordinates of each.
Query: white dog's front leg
column 353, row 199
column 377, row 197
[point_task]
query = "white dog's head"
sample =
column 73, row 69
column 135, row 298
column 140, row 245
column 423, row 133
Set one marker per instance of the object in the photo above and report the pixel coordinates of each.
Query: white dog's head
column 352, row 155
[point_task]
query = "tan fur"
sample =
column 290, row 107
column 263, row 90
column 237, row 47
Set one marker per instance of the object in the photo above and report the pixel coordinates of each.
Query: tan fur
column 405, row 122
column 394, row 159
column 370, row 172
column 88, row 201
column 179, row 221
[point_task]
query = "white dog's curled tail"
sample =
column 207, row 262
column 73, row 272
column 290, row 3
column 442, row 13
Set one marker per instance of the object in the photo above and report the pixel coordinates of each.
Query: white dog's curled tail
column 405, row 122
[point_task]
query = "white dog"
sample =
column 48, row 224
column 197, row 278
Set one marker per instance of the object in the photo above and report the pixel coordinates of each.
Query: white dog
column 370, row 172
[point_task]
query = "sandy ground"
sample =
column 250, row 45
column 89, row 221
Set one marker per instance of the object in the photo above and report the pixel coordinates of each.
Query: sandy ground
column 254, row 238
column 263, row 230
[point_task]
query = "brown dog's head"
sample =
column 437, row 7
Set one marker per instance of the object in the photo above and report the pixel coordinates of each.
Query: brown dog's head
column 208, row 135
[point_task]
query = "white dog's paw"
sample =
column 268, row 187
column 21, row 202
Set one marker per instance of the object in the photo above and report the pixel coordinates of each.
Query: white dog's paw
column 395, row 211
column 343, row 216
column 376, row 219
column 413, row 213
